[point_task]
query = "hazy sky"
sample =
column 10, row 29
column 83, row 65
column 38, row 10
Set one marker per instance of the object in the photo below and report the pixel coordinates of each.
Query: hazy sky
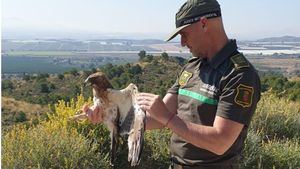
column 243, row 19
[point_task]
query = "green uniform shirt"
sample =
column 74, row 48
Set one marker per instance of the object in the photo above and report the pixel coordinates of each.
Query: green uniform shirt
column 227, row 86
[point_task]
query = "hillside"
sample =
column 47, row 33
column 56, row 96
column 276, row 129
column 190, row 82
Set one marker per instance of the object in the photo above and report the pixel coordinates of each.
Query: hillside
column 44, row 89
column 272, row 142
column 57, row 142
column 13, row 111
column 153, row 74
column 280, row 39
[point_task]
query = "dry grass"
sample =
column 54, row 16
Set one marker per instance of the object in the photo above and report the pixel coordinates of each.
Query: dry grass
column 295, row 79
column 13, row 105
column 284, row 65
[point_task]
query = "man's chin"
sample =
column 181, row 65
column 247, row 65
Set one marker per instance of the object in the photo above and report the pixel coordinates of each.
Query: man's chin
column 196, row 55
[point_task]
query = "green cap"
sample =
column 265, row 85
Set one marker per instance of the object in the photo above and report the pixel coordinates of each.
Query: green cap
column 191, row 12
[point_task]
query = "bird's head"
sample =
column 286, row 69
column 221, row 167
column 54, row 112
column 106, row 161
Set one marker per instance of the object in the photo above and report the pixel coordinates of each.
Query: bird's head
column 99, row 82
column 99, row 79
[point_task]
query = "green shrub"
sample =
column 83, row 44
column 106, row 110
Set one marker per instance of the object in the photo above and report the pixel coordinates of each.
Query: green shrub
column 281, row 154
column 60, row 76
column 157, row 153
column 252, row 151
column 74, row 72
column 20, row 117
column 7, row 84
column 275, row 153
column 277, row 117
column 273, row 138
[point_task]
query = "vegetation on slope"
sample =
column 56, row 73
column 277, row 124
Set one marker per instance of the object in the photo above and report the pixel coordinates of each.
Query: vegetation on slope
column 273, row 139
column 14, row 111
column 60, row 143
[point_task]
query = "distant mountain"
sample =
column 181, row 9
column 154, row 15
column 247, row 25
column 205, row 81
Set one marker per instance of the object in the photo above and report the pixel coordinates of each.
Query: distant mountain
column 132, row 41
column 280, row 39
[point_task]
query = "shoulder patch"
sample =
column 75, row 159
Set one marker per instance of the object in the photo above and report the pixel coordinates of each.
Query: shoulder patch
column 239, row 61
column 244, row 95
column 184, row 78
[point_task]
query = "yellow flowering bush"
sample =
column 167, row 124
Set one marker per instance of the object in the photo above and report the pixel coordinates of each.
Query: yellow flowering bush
column 49, row 146
column 55, row 143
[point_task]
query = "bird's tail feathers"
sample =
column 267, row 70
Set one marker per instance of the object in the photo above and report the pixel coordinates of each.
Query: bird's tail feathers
column 136, row 142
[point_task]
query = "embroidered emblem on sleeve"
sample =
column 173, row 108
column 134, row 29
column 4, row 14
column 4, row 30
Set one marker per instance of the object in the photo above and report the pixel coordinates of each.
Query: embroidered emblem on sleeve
column 244, row 95
column 184, row 78
column 239, row 61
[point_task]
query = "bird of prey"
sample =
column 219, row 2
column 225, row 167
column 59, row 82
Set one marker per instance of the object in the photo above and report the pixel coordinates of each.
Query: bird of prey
column 120, row 113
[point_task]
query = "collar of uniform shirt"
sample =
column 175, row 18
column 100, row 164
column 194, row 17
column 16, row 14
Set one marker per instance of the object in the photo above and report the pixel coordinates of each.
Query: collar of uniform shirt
column 224, row 53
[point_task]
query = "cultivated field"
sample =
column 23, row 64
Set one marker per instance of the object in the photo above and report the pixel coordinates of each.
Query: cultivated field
column 288, row 65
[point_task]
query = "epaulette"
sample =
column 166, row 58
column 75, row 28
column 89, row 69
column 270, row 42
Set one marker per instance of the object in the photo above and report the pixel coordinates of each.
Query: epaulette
column 239, row 61
column 193, row 59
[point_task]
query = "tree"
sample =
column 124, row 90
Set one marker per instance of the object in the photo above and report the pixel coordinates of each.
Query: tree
column 26, row 77
column 135, row 69
column 165, row 56
column 7, row 84
column 52, row 86
column 42, row 76
column 60, row 76
column 148, row 58
column 108, row 66
column 142, row 54
column 74, row 72
column 181, row 61
column 94, row 70
column 44, row 88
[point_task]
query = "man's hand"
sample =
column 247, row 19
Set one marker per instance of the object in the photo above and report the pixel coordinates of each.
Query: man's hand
column 94, row 113
column 154, row 105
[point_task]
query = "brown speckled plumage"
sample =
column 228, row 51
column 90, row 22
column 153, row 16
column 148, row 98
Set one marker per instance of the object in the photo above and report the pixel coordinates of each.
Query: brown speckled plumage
column 121, row 115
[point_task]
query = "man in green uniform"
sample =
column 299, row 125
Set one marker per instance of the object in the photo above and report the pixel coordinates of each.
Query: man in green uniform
column 210, row 106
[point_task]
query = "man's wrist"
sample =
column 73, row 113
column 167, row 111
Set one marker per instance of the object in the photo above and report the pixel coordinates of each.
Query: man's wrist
column 169, row 119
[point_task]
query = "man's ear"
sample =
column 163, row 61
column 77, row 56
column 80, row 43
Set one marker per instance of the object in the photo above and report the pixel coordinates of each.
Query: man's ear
column 203, row 22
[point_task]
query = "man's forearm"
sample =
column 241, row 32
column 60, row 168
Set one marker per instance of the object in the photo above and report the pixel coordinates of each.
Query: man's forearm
column 171, row 103
column 152, row 124
column 198, row 135
column 217, row 138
